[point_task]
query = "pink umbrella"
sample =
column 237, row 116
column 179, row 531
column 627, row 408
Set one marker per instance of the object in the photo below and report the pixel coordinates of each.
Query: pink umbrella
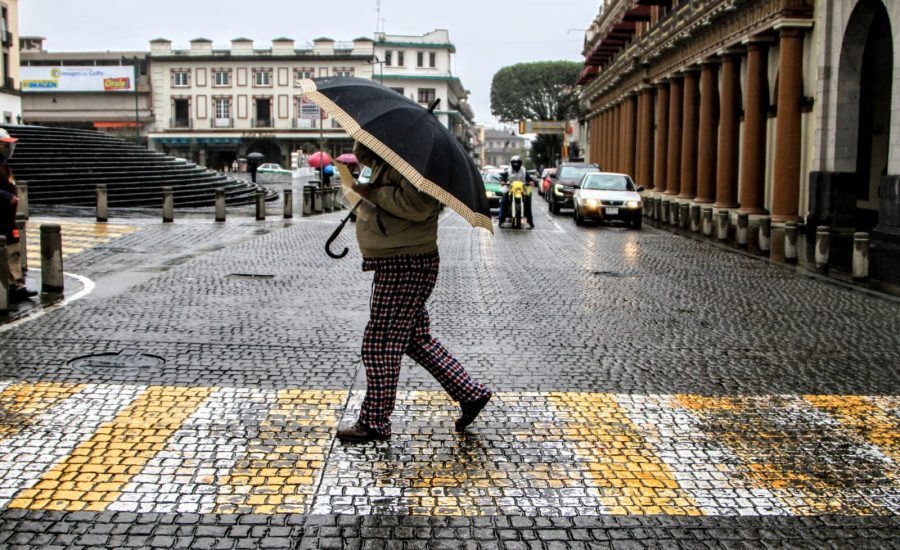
column 318, row 157
column 347, row 158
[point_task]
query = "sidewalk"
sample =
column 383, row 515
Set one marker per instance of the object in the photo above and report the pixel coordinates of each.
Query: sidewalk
column 651, row 390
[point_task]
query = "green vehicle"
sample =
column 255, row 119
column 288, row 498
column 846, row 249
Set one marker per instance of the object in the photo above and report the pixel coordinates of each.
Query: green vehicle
column 492, row 187
column 272, row 168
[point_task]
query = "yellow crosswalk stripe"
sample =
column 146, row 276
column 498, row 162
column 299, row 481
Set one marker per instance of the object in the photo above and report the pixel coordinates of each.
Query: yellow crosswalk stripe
column 76, row 237
column 864, row 416
column 21, row 402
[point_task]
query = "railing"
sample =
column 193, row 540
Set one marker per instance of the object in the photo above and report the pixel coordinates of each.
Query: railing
column 261, row 122
column 181, row 123
column 304, row 123
column 221, row 123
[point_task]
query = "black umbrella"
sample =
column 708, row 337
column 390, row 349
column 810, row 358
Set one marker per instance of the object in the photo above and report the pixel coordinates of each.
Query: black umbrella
column 409, row 138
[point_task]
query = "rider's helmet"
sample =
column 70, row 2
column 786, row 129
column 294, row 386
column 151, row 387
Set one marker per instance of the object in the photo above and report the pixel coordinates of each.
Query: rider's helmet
column 7, row 144
column 515, row 163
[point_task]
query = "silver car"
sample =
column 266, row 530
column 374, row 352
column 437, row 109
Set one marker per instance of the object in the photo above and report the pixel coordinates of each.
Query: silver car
column 605, row 196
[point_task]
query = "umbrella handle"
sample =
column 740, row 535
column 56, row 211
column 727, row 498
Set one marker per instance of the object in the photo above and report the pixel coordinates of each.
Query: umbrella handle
column 334, row 235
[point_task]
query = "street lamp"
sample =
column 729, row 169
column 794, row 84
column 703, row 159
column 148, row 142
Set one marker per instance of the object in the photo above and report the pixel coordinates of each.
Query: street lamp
column 376, row 61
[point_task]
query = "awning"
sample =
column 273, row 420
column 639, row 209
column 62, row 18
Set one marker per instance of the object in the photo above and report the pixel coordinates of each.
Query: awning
column 106, row 124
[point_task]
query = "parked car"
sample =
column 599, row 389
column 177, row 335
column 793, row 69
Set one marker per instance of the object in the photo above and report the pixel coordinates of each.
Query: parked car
column 544, row 184
column 492, row 187
column 563, row 185
column 272, row 168
column 606, row 196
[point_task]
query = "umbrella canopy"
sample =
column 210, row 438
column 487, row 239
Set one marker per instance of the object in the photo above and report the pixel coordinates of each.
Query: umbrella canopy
column 256, row 156
column 347, row 158
column 409, row 138
column 319, row 159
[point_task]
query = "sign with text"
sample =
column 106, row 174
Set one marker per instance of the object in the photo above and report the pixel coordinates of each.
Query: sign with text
column 311, row 111
column 77, row 79
column 543, row 127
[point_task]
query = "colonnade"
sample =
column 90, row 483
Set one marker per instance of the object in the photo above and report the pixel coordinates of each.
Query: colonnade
column 682, row 135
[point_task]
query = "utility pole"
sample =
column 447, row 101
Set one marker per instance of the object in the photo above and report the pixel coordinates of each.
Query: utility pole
column 137, row 116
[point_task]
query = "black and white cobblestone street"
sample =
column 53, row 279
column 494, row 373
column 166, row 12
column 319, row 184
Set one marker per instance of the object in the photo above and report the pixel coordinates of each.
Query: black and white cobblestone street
column 651, row 391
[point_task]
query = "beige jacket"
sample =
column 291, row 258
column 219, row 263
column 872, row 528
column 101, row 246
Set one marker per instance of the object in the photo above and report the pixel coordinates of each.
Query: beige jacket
column 405, row 221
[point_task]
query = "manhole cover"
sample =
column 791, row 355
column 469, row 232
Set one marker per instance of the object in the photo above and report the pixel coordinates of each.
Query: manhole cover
column 250, row 276
column 125, row 360
column 613, row 274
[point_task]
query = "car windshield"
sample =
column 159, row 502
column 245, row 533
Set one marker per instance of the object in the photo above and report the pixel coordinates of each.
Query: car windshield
column 492, row 177
column 607, row 182
column 575, row 172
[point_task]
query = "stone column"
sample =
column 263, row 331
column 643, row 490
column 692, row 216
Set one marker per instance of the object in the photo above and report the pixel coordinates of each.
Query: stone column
column 689, row 122
column 607, row 142
column 753, row 175
column 673, row 170
column 729, row 126
column 645, row 143
column 708, row 135
column 786, row 188
column 638, row 128
column 662, row 135
column 616, row 137
column 629, row 134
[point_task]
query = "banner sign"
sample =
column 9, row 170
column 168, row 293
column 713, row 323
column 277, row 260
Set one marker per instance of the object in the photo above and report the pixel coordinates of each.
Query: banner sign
column 311, row 111
column 544, row 127
column 77, row 79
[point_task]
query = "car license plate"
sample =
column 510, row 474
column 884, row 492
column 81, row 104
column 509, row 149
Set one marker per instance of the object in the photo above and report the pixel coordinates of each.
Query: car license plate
column 612, row 211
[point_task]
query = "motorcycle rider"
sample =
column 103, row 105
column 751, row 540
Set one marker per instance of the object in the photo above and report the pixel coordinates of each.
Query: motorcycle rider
column 516, row 173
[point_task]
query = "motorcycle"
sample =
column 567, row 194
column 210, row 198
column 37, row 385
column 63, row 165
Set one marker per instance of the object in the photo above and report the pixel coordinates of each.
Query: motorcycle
column 517, row 203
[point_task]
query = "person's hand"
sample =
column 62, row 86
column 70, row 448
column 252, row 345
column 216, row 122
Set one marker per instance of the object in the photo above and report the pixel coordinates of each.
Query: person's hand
column 361, row 190
column 14, row 201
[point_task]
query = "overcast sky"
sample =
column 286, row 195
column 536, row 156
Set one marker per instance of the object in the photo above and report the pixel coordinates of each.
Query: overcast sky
column 487, row 35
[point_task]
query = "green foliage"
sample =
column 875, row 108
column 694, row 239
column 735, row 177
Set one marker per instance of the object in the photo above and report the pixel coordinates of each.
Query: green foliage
column 544, row 90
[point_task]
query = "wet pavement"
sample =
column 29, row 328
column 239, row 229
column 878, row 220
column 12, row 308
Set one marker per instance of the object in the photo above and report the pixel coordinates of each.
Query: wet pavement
column 651, row 390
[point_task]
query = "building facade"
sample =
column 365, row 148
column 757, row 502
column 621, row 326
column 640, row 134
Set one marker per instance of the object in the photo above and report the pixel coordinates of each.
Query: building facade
column 10, row 101
column 215, row 105
column 72, row 104
column 498, row 146
column 422, row 69
column 785, row 108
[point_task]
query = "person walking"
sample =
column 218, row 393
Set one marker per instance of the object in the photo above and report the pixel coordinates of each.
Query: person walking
column 398, row 241
column 9, row 204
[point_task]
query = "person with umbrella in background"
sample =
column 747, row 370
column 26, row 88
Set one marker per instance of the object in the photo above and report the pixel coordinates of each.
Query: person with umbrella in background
column 413, row 162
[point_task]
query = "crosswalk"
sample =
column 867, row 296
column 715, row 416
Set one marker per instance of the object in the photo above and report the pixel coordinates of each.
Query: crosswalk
column 76, row 236
column 102, row 447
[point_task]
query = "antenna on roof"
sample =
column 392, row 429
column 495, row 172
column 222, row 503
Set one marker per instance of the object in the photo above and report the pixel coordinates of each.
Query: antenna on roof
column 377, row 14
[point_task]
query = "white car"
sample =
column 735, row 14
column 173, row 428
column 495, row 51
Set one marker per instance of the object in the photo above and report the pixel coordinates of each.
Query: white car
column 272, row 168
column 607, row 196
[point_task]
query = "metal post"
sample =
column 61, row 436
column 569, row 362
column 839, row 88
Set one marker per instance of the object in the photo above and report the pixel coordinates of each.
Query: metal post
column 102, row 215
column 288, row 203
column 674, row 212
column 860, row 256
column 327, row 199
column 743, row 225
column 707, row 223
column 4, row 277
column 220, row 204
column 22, row 192
column 790, row 242
column 664, row 212
column 23, row 241
column 137, row 116
column 307, row 201
column 51, row 259
column 684, row 215
column 317, row 200
column 695, row 218
column 765, row 234
column 823, row 246
column 260, row 205
column 168, row 205
column 722, row 225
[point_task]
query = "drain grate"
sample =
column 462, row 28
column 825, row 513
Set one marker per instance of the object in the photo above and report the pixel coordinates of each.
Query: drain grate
column 250, row 276
column 126, row 360
column 614, row 274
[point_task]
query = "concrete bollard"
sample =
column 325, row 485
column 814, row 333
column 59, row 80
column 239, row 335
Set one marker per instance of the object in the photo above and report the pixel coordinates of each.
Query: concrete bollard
column 23, row 241
column 22, row 192
column 722, row 220
column 743, row 227
column 220, row 204
column 664, row 212
column 288, row 204
column 823, row 246
column 102, row 199
column 327, row 200
column 695, row 218
column 707, row 223
column 860, row 256
column 765, row 234
column 317, row 200
column 674, row 211
column 307, row 201
column 790, row 242
column 260, row 205
column 51, row 259
column 684, row 215
column 657, row 209
column 168, row 205
column 4, row 277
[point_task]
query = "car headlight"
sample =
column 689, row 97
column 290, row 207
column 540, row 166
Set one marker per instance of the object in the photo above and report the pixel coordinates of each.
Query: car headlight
column 633, row 204
column 592, row 203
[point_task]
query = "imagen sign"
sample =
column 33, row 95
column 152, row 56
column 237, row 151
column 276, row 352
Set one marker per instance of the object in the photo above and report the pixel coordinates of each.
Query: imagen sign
column 77, row 79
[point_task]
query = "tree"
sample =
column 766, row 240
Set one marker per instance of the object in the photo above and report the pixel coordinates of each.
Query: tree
column 544, row 90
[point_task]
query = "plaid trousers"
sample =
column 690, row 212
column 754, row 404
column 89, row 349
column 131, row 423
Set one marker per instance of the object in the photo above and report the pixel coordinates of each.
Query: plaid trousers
column 398, row 324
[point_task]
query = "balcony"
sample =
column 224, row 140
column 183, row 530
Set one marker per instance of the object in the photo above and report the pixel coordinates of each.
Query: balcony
column 181, row 123
column 6, row 38
column 613, row 29
column 261, row 122
column 221, row 123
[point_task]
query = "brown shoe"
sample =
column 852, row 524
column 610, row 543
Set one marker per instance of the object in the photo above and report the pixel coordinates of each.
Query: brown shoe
column 359, row 433
column 470, row 412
